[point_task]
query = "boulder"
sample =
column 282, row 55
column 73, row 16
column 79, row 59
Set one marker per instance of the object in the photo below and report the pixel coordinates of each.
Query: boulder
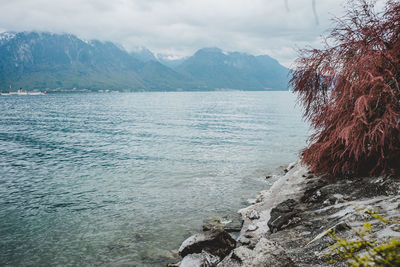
column 217, row 242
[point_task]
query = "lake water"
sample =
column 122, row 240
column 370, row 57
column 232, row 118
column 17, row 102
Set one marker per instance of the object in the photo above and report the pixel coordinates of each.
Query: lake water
column 123, row 179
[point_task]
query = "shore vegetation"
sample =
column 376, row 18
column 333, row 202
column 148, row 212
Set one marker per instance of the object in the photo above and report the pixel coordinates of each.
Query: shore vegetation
column 351, row 93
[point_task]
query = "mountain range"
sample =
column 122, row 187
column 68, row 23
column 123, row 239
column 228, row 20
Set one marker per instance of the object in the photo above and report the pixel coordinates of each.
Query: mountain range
column 37, row 60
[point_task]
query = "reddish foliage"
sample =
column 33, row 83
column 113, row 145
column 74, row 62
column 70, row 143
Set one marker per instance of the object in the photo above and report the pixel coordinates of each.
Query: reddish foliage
column 351, row 94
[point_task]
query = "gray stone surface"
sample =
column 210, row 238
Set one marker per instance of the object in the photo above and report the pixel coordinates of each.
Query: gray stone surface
column 265, row 253
column 203, row 259
column 303, row 206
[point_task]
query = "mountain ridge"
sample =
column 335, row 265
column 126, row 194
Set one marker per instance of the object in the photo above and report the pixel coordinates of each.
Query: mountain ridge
column 39, row 60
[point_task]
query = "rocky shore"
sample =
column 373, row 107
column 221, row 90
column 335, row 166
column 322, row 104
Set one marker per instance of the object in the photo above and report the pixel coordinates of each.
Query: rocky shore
column 288, row 224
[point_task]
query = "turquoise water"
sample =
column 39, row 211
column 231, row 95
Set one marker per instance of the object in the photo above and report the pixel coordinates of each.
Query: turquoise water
column 116, row 179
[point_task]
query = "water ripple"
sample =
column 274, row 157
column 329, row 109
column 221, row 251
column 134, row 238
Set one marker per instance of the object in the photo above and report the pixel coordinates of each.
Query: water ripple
column 121, row 179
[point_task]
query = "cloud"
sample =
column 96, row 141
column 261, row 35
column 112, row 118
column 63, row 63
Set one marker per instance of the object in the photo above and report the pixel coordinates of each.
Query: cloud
column 180, row 27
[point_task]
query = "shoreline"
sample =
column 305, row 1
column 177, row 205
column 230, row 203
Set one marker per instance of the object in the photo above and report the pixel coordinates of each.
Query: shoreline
column 287, row 225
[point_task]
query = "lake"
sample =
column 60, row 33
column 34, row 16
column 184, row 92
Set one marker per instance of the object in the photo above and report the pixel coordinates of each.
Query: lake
column 124, row 178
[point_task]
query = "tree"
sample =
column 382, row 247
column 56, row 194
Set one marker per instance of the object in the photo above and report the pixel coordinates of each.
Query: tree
column 351, row 95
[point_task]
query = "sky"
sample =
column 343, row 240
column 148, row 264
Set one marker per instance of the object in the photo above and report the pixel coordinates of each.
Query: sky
column 177, row 28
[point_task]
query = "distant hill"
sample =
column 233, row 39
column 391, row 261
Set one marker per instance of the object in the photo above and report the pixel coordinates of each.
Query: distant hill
column 34, row 60
column 43, row 60
column 235, row 70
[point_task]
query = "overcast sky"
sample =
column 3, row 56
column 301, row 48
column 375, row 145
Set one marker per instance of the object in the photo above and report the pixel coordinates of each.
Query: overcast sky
column 180, row 27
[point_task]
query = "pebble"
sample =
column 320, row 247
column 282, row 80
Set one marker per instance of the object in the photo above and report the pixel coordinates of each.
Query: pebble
column 254, row 215
column 243, row 240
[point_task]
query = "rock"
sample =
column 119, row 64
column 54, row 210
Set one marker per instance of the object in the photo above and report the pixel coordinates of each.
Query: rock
column 305, row 233
column 281, row 215
column 293, row 221
column 203, row 259
column 338, row 196
column 284, row 207
column 229, row 225
column 230, row 261
column 173, row 264
column 312, row 187
column 280, row 221
column 234, row 226
column 252, row 227
column 309, row 224
column 327, row 202
column 316, row 197
column 243, row 240
column 395, row 227
column 252, row 201
column 171, row 255
column 207, row 227
column 254, row 215
column 265, row 253
column 292, row 165
column 232, row 229
column 341, row 226
column 217, row 242
column 248, row 236
column 213, row 222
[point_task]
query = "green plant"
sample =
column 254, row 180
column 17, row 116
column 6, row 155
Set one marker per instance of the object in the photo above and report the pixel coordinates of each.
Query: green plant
column 376, row 252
